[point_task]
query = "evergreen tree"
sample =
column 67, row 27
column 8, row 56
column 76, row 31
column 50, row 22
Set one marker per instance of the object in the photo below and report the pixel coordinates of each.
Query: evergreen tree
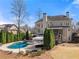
column 27, row 35
column 52, row 39
column 49, row 40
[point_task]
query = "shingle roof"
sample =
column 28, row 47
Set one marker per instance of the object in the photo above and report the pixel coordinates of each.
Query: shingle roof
column 7, row 25
column 58, row 17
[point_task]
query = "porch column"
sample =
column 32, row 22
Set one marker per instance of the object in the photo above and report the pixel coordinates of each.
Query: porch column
column 44, row 21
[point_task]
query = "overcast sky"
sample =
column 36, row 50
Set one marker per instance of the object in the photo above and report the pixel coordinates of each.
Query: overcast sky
column 51, row 7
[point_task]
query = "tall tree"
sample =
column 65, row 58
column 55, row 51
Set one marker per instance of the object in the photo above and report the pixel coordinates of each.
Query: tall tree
column 19, row 12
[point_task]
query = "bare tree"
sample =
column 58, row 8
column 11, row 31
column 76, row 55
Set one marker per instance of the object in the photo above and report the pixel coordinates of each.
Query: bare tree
column 19, row 11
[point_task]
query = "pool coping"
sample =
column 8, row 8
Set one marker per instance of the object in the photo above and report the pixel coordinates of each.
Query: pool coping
column 4, row 47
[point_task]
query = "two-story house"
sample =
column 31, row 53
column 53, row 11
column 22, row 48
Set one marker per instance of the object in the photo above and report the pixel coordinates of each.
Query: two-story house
column 11, row 28
column 60, row 24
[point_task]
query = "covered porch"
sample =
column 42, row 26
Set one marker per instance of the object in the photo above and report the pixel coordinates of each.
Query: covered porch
column 58, row 32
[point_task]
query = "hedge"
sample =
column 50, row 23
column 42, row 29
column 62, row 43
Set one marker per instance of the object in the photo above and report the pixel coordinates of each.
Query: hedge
column 0, row 37
column 6, row 37
column 20, row 36
column 3, row 37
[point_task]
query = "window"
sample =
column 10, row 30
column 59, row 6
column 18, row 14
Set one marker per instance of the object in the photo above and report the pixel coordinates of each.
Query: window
column 48, row 25
column 60, row 24
column 41, row 25
column 67, row 23
column 52, row 24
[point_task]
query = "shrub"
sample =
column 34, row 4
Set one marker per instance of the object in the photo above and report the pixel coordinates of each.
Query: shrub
column 46, row 39
column 22, row 35
column 0, row 37
column 37, row 53
column 52, row 39
column 12, row 37
column 3, row 37
column 15, row 37
column 19, row 36
column 27, row 35
column 6, row 37
column 9, row 37
column 49, row 40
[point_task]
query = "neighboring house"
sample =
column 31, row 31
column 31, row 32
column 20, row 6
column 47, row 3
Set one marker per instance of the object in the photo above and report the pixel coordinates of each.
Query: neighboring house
column 11, row 28
column 61, row 25
column 23, row 30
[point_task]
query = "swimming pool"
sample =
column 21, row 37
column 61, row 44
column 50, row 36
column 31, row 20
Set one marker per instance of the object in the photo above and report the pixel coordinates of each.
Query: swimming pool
column 18, row 45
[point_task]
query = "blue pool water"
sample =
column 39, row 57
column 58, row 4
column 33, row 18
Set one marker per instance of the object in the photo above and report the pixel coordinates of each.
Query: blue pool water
column 18, row 45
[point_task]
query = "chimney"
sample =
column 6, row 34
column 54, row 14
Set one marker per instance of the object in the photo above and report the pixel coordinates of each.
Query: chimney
column 44, row 21
column 45, row 17
column 67, row 14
